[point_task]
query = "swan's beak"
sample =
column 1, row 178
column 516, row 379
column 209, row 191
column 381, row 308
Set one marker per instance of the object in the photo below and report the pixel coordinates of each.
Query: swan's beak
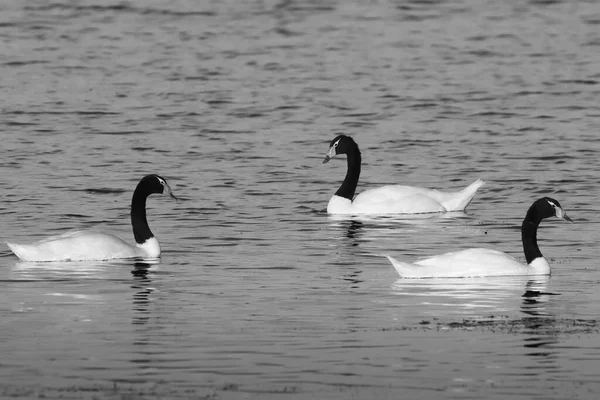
column 167, row 192
column 330, row 154
column 560, row 213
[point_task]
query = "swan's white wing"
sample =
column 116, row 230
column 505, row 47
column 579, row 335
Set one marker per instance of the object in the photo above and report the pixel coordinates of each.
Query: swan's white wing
column 462, row 264
column 396, row 199
column 66, row 235
column 75, row 246
column 399, row 199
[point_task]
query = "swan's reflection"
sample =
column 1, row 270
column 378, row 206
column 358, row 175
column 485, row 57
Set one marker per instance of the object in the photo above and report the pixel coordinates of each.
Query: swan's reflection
column 96, row 270
column 409, row 222
column 61, row 292
column 414, row 219
column 141, row 297
column 354, row 231
column 539, row 325
column 536, row 297
column 350, row 242
column 492, row 303
column 378, row 231
column 143, row 355
column 62, row 270
column 360, row 229
column 354, row 277
column 473, row 297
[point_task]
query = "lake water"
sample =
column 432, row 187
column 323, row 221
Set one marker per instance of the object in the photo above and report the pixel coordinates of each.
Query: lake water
column 259, row 293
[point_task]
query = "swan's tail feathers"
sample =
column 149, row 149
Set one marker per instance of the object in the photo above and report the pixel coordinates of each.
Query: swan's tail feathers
column 462, row 199
column 401, row 267
column 28, row 252
column 17, row 249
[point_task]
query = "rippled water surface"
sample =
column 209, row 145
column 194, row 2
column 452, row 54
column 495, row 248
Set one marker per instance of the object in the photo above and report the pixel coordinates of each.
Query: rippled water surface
column 259, row 293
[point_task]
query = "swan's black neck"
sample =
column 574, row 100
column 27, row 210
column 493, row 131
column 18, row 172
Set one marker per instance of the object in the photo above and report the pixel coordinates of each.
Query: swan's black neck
column 351, row 180
column 529, row 234
column 141, row 230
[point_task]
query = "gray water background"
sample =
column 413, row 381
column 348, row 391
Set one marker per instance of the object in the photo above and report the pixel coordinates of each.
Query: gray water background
column 259, row 293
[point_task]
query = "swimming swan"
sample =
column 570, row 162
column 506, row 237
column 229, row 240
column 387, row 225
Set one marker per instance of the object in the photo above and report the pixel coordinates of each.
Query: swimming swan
column 390, row 199
column 90, row 245
column 485, row 262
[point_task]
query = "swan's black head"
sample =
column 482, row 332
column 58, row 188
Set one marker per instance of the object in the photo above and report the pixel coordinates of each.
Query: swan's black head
column 153, row 183
column 547, row 207
column 341, row 144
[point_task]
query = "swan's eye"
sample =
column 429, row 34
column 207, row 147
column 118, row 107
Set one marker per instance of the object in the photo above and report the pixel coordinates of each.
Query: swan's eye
column 162, row 182
column 336, row 143
column 551, row 203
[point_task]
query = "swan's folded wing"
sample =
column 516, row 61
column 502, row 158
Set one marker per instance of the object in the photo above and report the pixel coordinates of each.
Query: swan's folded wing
column 75, row 246
column 412, row 200
column 396, row 199
column 66, row 235
column 475, row 262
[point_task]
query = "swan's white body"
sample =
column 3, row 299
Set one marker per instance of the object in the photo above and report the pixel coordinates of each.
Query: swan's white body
column 398, row 199
column 84, row 246
column 485, row 262
column 467, row 263
column 97, row 246
column 392, row 199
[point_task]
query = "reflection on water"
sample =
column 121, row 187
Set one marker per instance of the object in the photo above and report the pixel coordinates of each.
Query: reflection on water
column 400, row 221
column 376, row 235
column 141, row 297
column 353, row 276
column 347, row 241
column 465, row 296
column 66, row 270
column 142, row 353
column 540, row 328
column 353, row 231
column 536, row 297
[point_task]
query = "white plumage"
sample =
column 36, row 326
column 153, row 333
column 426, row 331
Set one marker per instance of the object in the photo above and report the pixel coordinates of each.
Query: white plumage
column 479, row 262
column 90, row 245
column 84, row 246
column 390, row 199
column 469, row 263
column 399, row 199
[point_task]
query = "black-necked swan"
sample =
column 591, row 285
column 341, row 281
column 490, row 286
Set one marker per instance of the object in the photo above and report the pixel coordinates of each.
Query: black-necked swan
column 390, row 199
column 90, row 245
column 480, row 262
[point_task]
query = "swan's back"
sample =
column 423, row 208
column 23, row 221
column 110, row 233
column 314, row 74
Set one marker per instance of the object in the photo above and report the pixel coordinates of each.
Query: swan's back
column 396, row 199
column 474, row 262
column 402, row 199
column 75, row 246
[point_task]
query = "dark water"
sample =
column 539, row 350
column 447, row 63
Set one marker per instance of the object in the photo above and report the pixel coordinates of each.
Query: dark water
column 259, row 294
